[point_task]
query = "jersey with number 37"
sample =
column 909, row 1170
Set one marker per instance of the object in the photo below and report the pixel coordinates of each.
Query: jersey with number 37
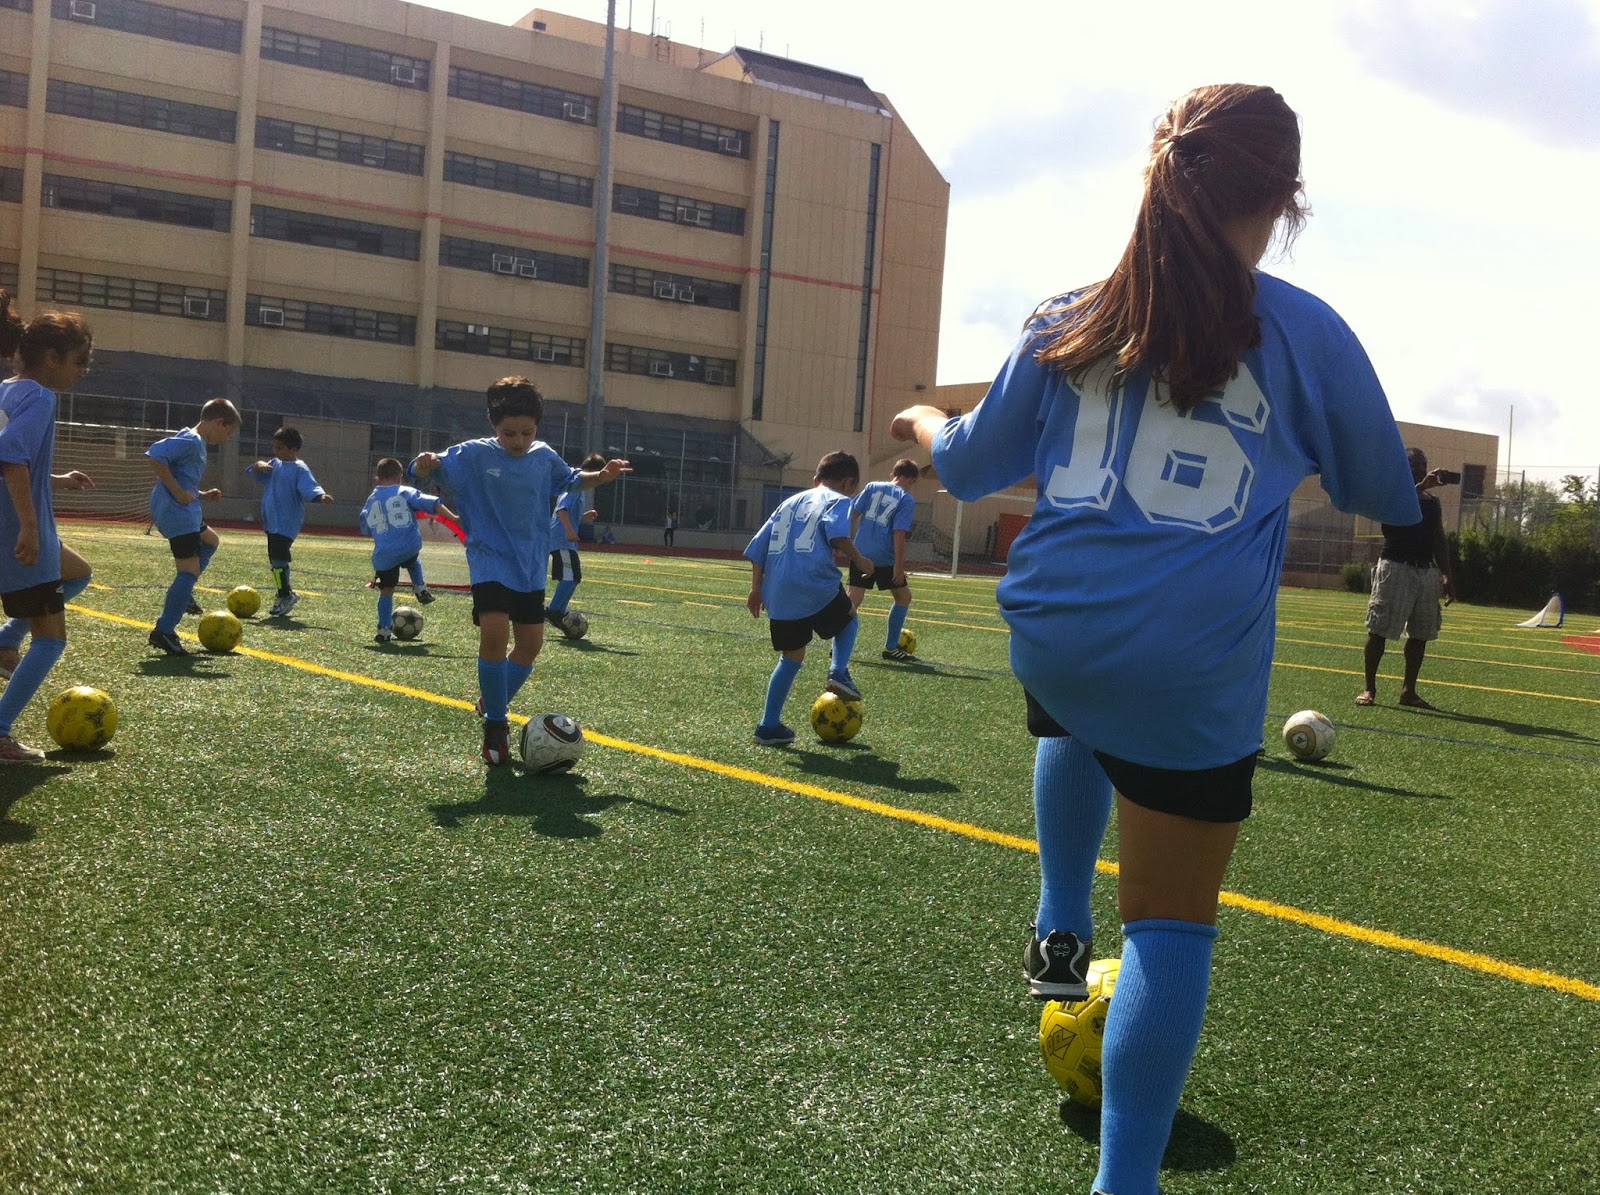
column 389, row 516
column 1142, row 594
column 795, row 548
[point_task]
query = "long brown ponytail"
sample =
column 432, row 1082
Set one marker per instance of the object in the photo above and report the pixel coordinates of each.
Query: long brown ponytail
column 1181, row 301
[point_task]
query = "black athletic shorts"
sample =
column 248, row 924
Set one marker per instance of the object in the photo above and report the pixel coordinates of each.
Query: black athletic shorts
column 280, row 548
column 565, row 565
column 882, row 578
column 188, row 544
column 35, row 601
column 1220, row 794
column 790, row 634
column 388, row 578
column 491, row 597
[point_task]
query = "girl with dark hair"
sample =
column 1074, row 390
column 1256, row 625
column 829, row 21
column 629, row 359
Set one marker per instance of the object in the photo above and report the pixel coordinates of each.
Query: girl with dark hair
column 54, row 349
column 1167, row 413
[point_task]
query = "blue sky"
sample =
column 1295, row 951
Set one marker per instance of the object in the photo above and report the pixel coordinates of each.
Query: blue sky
column 1452, row 162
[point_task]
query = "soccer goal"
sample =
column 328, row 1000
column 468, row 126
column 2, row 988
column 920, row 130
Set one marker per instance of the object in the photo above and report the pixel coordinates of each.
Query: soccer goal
column 114, row 458
column 975, row 535
column 1553, row 614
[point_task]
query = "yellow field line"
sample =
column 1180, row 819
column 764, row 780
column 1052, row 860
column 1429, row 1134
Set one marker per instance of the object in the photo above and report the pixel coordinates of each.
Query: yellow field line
column 1446, row 684
column 1266, row 908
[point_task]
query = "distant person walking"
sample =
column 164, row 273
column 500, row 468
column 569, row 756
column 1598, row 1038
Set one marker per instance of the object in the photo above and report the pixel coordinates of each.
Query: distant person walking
column 671, row 529
column 1412, row 573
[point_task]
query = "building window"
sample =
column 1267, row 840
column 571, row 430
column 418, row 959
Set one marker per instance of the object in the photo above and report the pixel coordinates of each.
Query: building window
column 508, row 342
column 521, row 180
column 522, row 96
column 335, row 145
column 19, row 5
column 343, row 58
column 13, row 89
column 136, row 203
column 133, row 294
column 677, row 209
column 758, row 380
column 675, row 288
column 10, row 184
column 8, row 276
column 328, row 319
column 680, row 367
column 512, row 261
column 332, row 232
column 680, row 130
column 140, row 111
column 154, row 20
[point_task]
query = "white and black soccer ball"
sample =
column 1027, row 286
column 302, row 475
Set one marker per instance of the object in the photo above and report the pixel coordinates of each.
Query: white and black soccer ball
column 552, row 743
column 1309, row 735
column 406, row 622
column 574, row 625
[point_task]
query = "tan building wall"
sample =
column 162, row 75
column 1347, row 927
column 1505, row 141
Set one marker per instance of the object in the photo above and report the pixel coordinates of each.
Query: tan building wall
column 857, row 218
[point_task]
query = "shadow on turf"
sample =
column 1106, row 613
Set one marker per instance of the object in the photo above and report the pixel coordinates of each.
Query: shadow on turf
column 921, row 668
column 196, row 664
column 411, row 648
column 1195, row 1144
column 1517, row 728
column 857, row 761
column 586, row 645
column 1328, row 772
column 557, row 804
column 16, row 783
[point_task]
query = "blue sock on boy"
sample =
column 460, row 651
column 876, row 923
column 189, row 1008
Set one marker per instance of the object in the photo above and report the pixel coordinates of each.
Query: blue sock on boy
column 207, row 551
column 1151, row 1034
column 562, row 595
column 1071, row 805
column 179, row 594
column 778, row 687
column 516, row 676
column 843, row 644
column 30, row 672
column 897, row 622
column 492, row 682
column 385, row 611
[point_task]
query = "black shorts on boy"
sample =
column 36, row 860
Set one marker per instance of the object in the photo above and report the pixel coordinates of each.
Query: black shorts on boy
column 491, row 597
column 882, row 578
column 35, row 601
column 791, row 634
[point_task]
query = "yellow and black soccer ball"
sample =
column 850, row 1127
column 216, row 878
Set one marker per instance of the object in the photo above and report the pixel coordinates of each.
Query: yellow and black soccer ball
column 220, row 631
column 82, row 718
column 837, row 719
column 244, row 601
column 1073, row 1034
column 908, row 641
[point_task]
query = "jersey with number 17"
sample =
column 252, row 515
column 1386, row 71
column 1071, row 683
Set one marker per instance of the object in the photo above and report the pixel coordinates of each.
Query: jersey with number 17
column 884, row 508
column 389, row 516
column 795, row 548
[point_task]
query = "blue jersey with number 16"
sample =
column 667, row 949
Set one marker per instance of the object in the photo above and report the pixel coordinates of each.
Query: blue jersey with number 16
column 795, row 549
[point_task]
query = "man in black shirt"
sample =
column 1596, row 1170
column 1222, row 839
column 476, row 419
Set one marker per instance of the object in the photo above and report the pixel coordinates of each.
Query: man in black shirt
column 1411, row 574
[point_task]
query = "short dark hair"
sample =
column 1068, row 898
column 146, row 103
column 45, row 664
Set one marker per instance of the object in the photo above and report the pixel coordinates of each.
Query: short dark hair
column 220, row 408
column 59, row 332
column 389, row 467
column 905, row 467
column 592, row 462
column 838, row 466
column 289, row 437
column 513, row 397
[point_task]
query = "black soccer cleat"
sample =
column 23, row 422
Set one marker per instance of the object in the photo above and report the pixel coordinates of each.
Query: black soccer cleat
column 1058, row 967
column 899, row 655
column 168, row 642
column 194, row 607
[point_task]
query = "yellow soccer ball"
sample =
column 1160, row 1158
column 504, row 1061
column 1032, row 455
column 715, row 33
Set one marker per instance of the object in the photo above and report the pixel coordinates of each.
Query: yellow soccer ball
column 1309, row 735
column 908, row 641
column 1072, row 1035
column 82, row 718
column 244, row 601
column 836, row 719
column 220, row 631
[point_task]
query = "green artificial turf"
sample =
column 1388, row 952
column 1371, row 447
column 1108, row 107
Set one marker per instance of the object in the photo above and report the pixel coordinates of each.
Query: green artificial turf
column 288, row 934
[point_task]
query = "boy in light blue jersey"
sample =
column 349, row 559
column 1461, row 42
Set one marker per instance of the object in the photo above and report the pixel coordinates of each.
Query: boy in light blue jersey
column 178, row 463
column 793, row 576
column 389, row 517
column 566, row 570
column 880, row 519
column 503, row 487
column 287, row 485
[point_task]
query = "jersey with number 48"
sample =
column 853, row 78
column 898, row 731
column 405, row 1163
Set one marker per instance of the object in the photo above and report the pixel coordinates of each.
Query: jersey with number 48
column 795, row 548
column 389, row 516
column 1142, row 594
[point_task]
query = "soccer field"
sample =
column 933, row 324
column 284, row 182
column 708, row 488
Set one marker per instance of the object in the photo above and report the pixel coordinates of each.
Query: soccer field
column 289, row 934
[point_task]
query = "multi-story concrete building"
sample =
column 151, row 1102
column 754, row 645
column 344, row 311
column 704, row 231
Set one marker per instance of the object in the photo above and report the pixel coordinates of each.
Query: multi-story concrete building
column 365, row 212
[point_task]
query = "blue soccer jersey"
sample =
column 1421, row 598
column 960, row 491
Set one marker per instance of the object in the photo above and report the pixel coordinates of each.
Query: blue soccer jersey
column 504, row 502
column 185, row 454
column 389, row 517
column 28, row 437
column 574, row 502
column 884, row 508
column 795, row 546
column 286, row 488
column 1142, row 594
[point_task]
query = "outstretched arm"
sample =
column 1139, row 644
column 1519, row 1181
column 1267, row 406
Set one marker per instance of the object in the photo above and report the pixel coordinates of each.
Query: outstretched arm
column 611, row 471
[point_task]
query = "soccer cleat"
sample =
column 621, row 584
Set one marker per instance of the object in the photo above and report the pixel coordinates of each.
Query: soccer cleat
column 496, row 743
column 285, row 604
column 383, row 636
column 1056, row 968
column 168, row 642
column 554, row 617
column 774, row 736
column 422, row 595
column 12, row 751
column 840, row 683
column 195, row 607
column 899, row 654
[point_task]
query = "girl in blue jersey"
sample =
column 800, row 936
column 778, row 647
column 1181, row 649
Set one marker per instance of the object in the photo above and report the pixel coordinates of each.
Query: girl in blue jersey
column 1167, row 414
column 503, row 487
column 389, row 516
column 287, row 486
column 54, row 349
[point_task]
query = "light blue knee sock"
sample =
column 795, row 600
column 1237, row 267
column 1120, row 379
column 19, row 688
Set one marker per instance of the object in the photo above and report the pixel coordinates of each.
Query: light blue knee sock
column 41, row 656
column 1071, row 805
column 14, row 630
column 778, row 690
column 179, row 594
column 207, row 551
column 385, row 611
column 1152, row 1030
column 897, row 622
column 414, row 571
column 492, row 684
column 516, row 676
column 843, row 644
column 563, row 595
